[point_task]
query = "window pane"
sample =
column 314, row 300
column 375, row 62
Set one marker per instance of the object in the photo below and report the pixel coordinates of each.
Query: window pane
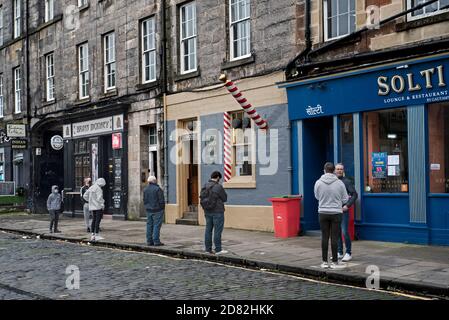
column 347, row 145
column 343, row 24
column 386, row 151
column 343, row 6
column 438, row 117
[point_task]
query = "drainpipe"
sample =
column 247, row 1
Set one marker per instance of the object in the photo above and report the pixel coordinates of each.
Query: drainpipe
column 164, row 96
column 307, row 38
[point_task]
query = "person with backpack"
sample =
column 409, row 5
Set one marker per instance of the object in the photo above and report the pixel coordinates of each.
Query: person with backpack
column 154, row 202
column 212, row 199
column 86, row 211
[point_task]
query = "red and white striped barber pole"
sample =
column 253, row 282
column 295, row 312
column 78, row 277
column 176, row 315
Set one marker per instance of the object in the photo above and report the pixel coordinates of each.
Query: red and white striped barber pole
column 249, row 109
column 227, row 147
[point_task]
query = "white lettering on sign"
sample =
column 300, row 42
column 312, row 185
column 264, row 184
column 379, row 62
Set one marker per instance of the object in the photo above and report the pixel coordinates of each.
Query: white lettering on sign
column 399, row 84
column 312, row 111
column 91, row 127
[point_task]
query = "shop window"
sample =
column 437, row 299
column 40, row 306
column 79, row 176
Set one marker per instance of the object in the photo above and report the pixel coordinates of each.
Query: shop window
column 242, row 138
column 82, row 161
column 347, row 145
column 2, row 164
column 438, row 117
column 386, row 151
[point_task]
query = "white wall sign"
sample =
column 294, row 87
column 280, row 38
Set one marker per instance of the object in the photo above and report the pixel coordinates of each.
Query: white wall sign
column 92, row 127
column 435, row 166
column 118, row 122
column 16, row 130
column 67, row 131
column 57, row 142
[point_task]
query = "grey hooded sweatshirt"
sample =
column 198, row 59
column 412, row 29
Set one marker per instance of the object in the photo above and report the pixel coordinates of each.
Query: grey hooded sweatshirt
column 331, row 194
column 54, row 199
column 94, row 195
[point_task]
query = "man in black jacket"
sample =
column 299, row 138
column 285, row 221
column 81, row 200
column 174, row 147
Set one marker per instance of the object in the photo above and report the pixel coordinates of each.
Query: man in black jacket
column 340, row 172
column 154, row 202
column 215, row 216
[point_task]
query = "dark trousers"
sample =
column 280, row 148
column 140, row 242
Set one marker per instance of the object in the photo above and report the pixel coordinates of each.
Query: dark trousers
column 154, row 223
column 96, row 219
column 330, row 228
column 54, row 218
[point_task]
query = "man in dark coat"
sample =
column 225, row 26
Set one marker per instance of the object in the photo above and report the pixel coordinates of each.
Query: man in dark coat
column 340, row 172
column 154, row 202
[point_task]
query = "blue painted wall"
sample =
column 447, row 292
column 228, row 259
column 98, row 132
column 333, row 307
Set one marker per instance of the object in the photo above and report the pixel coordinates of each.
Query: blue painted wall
column 171, row 125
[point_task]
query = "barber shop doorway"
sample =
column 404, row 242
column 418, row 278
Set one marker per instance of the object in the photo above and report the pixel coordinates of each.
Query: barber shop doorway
column 189, row 177
column 318, row 148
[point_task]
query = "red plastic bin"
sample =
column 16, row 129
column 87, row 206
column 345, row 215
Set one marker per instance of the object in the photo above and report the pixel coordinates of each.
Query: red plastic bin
column 286, row 213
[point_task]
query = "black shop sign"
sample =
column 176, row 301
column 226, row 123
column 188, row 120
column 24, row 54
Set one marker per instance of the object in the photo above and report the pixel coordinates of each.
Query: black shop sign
column 18, row 143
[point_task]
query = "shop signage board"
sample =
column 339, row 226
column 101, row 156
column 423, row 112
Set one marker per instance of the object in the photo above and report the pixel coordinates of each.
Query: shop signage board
column 18, row 143
column 16, row 130
column 410, row 82
column 116, row 141
column 92, row 127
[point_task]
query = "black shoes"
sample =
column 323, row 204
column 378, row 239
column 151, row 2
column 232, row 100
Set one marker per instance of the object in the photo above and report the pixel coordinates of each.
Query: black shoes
column 158, row 244
column 57, row 231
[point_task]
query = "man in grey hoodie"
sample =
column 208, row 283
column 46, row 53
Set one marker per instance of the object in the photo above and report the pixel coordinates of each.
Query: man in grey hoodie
column 94, row 195
column 54, row 207
column 331, row 195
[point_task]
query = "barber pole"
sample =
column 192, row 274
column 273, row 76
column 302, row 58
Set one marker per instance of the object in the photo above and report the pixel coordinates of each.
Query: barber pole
column 249, row 109
column 227, row 147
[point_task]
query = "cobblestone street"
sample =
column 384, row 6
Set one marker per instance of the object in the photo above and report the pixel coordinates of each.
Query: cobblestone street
column 35, row 268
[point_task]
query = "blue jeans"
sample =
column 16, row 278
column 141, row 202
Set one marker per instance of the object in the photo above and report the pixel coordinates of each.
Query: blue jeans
column 345, row 232
column 215, row 223
column 154, row 223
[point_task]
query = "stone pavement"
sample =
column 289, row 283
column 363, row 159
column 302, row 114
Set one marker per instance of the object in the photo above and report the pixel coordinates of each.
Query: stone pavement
column 411, row 268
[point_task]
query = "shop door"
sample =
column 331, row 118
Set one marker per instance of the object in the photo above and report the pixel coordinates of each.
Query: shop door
column 318, row 149
column 107, row 170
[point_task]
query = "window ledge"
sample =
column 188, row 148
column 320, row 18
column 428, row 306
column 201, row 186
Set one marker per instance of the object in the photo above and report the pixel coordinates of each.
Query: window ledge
column 43, row 25
column 46, row 103
column 109, row 93
column 190, row 75
column 82, row 101
column 148, row 86
column 11, row 42
column 84, row 7
column 351, row 40
column 237, row 63
column 240, row 183
column 407, row 25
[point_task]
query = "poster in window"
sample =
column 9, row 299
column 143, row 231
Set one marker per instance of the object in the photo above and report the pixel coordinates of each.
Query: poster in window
column 379, row 160
column 94, row 155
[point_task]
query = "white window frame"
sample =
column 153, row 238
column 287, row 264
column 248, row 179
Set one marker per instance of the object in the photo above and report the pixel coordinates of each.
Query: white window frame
column 82, row 3
column 148, row 50
column 187, row 39
column 83, row 70
column 234, row 24
column 17, row 90
column 49, row 10
column 326, row 18
column 110, row 67
column 17, row 18
column 1, row 26
column 410, row 17
column 49, row 77
column 2, row 99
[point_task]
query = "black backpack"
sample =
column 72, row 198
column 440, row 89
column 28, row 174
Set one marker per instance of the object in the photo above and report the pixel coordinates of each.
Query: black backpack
column 208, row 198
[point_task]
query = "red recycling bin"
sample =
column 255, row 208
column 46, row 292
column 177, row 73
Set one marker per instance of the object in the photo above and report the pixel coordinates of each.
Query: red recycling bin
column 286, row 213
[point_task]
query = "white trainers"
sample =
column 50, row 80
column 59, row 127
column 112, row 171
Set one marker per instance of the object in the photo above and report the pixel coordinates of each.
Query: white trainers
column 92, row 237
column 334, row 265
column 347, row 257
column 324, row 265
column 340, row 256
column 221, row 252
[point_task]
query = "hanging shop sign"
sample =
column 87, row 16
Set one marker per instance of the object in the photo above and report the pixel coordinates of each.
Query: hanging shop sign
column 116, row 141
column 18, row 143
column 67, row 131
column 3, row 137
column 57, row 142
column 16, row 130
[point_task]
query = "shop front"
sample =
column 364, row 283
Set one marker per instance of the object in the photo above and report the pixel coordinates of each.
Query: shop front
column 389, row 125
column 96, row 148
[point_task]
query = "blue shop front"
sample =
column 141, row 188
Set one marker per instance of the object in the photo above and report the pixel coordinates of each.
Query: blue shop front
column 389, row 125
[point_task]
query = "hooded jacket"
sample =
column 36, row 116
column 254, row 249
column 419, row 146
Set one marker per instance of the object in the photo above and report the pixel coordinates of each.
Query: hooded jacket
column 331, row 194
column 94, row 195
column 54, row 199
